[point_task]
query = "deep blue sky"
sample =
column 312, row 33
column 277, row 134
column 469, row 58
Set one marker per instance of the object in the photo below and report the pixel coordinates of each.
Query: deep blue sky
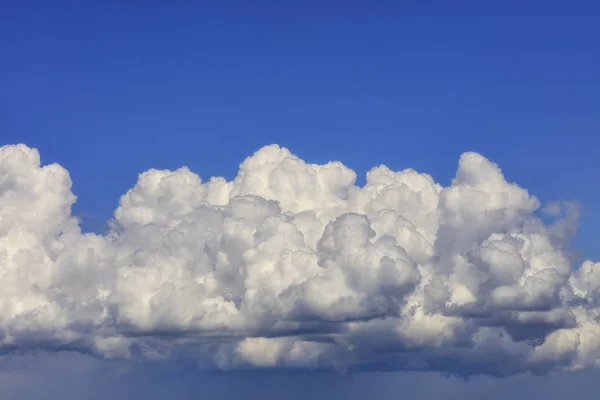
column 110, row 90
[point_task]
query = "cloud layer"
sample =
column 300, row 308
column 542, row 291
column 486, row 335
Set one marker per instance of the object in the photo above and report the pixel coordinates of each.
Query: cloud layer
column 291, row 265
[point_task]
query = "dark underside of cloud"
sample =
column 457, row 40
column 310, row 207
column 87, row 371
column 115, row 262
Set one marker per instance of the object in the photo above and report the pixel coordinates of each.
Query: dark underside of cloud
column 293, row 267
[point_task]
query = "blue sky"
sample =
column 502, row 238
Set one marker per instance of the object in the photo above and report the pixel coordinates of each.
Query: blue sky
column 111, row 89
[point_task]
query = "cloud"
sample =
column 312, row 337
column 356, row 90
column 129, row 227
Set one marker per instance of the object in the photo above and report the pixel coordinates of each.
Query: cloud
column 291, row 265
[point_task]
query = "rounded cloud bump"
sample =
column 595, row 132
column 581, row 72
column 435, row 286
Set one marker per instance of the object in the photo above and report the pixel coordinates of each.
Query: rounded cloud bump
column 291, row 265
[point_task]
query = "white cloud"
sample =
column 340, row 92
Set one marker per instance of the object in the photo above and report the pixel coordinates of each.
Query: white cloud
column 291, row 265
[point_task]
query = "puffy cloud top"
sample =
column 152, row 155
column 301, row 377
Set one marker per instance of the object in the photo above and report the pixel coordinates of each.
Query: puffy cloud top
column 291, row 265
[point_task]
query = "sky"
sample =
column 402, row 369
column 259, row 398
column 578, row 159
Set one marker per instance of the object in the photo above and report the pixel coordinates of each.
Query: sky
column 109, row 90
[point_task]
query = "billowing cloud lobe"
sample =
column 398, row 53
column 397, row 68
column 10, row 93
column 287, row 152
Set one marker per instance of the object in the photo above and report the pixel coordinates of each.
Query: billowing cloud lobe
column 291, row 265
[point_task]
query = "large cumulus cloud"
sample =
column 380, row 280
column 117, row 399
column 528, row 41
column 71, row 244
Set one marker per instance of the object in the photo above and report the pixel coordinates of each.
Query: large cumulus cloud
column 291, row 265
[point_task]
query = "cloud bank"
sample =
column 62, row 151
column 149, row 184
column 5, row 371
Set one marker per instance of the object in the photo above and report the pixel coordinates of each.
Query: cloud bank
column 291, row 265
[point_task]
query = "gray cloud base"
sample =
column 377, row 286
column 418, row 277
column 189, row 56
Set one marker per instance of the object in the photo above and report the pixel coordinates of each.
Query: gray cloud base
column 291, row 265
